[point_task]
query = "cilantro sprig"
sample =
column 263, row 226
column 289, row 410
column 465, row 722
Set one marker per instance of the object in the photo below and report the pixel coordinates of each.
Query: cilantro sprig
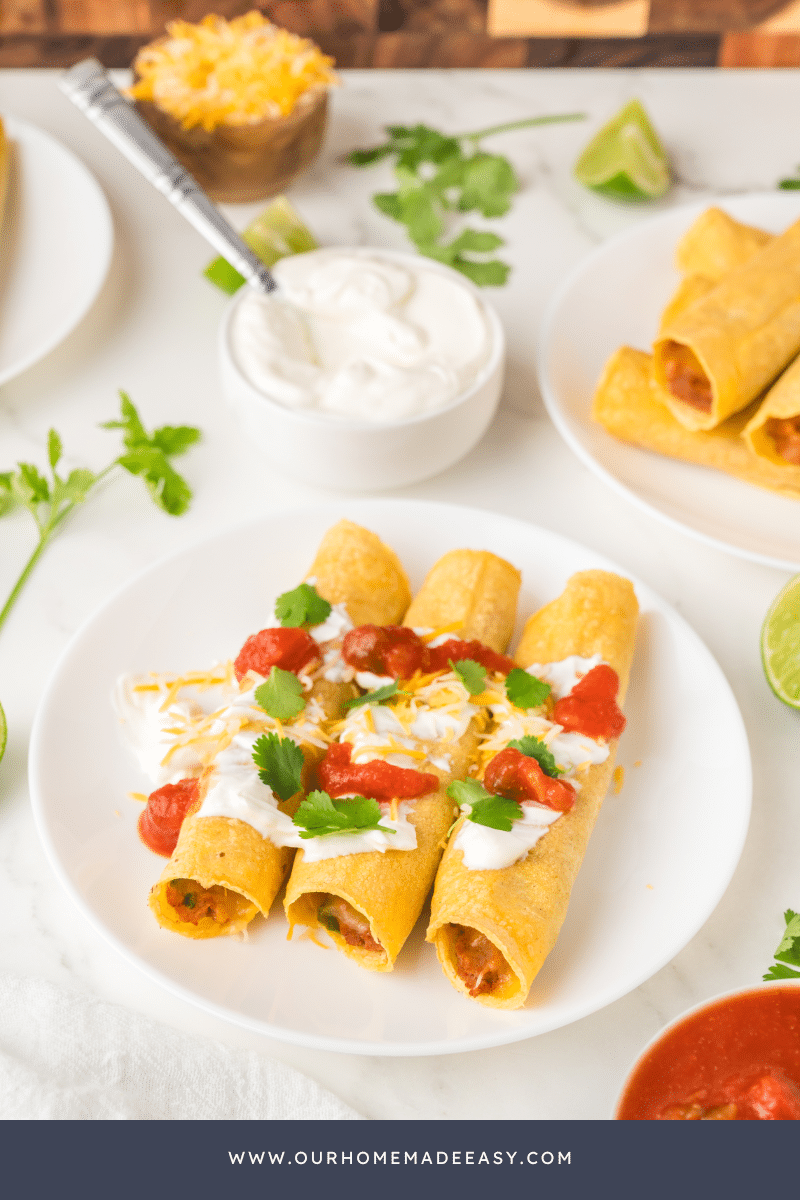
column 471, row 674
column 280, row 762
column 51, row 499
column 319, row 816
column 281, row 696
column 302, row 606
column 379, row 696
column 439, row 175
column 498, row 812
column 788, row 950
column 524, row 690
column 533, row 747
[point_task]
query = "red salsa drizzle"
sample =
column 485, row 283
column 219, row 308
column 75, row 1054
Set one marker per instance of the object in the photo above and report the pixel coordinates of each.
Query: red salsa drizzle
column 377, row 780
column 290, row 649
column 591, row 707
column 160, row 822
column 518, row 777
column 397, row 651
column 738, row 1059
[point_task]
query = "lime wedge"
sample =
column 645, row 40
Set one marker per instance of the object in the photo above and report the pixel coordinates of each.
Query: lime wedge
column 780, row 644
column 3, row 732
column 275, row 233
column 626, row 160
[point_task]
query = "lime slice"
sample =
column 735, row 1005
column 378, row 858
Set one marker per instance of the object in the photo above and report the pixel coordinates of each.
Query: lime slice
column 275, row 233
column 780, row 644
column 3, row 732
column 626, row 160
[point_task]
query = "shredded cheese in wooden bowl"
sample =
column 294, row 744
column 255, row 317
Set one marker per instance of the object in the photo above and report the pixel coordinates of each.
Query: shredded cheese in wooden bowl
column 234, row 72
column 241, row 103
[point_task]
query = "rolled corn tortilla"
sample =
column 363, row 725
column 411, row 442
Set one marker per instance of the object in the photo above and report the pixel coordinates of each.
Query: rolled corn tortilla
column 713, row 246
column 224, row 863
column 626, row 403
column 716, row 244
column 773, row 432
column 716, row 356
column 520, row 909
column 376, row 897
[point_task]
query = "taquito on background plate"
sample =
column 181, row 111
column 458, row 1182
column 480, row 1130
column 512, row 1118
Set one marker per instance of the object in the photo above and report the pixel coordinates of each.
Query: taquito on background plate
column 241, row 868
column 717, row 355
column 521, row 908
column 476, row 592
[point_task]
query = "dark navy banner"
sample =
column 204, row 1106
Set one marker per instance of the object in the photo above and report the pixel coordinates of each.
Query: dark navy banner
column 407, row 1160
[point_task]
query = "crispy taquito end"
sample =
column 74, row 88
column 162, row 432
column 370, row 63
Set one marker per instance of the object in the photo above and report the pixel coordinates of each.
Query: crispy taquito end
column 716, row 356
column 716, row 244
column 773, row 432
column 223, row 869
column 473, row 591
column 355, row 568
column 513, row 915
column 384, row 893
column 224, row 864
column 627, row 405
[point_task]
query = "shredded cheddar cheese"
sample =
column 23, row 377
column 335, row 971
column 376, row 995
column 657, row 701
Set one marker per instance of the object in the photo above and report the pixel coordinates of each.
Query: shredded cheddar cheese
column 619, row 779
column 236, row 72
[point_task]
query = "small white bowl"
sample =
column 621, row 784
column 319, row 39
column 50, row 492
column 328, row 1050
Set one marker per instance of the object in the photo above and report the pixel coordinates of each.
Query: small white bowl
column 715, row 1002
column 356, row 455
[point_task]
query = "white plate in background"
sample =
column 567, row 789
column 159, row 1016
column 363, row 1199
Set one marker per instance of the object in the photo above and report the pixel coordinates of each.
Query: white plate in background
column 660, row 858
column 615, row 298
column 56, row 239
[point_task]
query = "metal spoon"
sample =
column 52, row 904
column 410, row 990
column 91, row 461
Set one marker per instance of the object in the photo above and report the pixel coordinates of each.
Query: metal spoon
column 88, row 87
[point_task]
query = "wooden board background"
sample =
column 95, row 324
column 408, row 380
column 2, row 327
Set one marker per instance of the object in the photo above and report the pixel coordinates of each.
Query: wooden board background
column 411, row 33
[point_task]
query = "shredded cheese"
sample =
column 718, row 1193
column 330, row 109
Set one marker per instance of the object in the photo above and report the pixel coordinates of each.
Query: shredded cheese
column 236, row 72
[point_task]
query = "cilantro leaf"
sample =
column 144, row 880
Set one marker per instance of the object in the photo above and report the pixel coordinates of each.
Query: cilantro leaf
column 378, row 696
column 471, row 674
column 281, row 696
column 175, row 439
column 789, row 949
column 6, row 493
column 148, row 455
column 302, row 606
column 533, row 747
column 319, row 816
column 280, row 762
column 524, row 690
column 439, row 174
column 54, row 448
column 497, row 812
column 776, row 971
column 32, row 484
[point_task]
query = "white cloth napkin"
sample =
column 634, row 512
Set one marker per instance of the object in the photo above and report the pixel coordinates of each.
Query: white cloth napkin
column 67, row 1056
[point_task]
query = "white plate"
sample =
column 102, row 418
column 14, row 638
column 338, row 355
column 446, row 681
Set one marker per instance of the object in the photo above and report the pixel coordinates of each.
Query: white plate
column 661, row 856
column 613, row 298
column 55, row 247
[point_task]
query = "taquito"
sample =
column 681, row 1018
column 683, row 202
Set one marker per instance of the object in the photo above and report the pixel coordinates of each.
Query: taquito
column 715, row 357
column 773, row 432
column 713, row 246
column 510, row 917
column 370, row 901
column 226, row 868
column 627, row 404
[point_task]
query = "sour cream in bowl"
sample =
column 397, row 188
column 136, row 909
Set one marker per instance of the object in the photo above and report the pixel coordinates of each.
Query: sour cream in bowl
column 368, row 369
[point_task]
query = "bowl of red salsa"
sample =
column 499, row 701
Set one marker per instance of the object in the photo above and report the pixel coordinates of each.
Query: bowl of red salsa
column 735, row 1057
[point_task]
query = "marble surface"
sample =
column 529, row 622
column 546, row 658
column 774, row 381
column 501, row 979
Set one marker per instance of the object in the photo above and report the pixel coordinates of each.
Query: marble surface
column 152, row 332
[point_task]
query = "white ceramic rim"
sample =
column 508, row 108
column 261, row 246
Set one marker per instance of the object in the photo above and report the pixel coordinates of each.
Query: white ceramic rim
column 105, row 234
column 764, row 986
column 304, row 417
column 554, row 408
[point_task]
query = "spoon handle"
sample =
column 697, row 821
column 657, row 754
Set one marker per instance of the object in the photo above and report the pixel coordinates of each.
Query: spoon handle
column 88, row 87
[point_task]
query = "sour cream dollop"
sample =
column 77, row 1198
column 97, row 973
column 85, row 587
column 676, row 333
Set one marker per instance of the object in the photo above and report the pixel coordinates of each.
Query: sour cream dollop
column 357, row 336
